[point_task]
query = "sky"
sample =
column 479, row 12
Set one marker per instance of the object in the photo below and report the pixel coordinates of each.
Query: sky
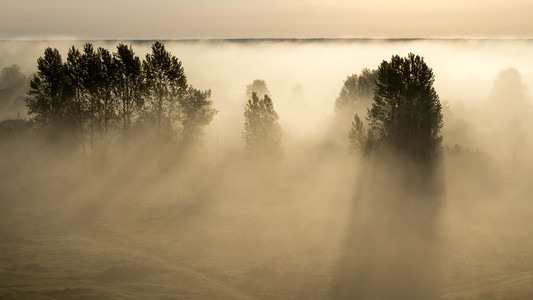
column 219, row 19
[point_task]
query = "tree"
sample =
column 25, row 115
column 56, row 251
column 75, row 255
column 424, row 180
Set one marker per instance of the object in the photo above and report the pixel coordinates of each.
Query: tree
column 108, row 101
column 129, row 86
column 262, row 133
column 357, row 90
column 195, row 113
column 358, row 136
column 508, row 96
column 13, row 87
column 49, row 91
column 12, row 80
column 92, row 75
column 92, row 82
column 259, row 87
column 77, row 105
column 166, row 83
column 354, row 97
column 406, row 114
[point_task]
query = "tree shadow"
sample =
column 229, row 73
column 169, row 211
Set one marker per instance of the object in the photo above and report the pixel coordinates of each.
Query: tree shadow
column 392, row 244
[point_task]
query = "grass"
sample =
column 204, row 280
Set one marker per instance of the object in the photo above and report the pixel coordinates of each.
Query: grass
column 228, row 234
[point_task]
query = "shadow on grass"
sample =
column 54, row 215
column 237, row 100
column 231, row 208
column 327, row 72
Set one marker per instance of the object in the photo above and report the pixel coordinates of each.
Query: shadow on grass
column 392, row 246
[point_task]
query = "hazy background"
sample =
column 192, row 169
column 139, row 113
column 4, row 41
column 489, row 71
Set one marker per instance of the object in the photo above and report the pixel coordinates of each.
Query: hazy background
column 305, row 77
column 251, row 19
column 220, row 226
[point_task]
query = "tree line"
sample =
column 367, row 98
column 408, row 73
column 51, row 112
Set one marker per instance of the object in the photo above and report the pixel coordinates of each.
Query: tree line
column 403, row 112
column 107, row 96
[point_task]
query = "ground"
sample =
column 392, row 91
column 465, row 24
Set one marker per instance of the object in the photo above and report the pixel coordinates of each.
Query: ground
column 222, row 232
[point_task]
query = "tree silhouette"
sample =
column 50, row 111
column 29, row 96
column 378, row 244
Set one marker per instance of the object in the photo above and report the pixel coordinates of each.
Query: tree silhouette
column 262, row 133
column 166, row 83
column 358, row 136
column 397, row 203
column 49, row 92
column 357, row 91
column 92, row 76
column 195, row 113
column 92, row 82
column 13, row 87
column 77, row 105
column 406, row 114
column 259, row 87
column 354, row 97
column 129, row 86
column 108, row 101
column 12, row 80
column 508, row 96
column 98, row 94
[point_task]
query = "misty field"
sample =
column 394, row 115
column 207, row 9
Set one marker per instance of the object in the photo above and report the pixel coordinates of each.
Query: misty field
column 315, row 222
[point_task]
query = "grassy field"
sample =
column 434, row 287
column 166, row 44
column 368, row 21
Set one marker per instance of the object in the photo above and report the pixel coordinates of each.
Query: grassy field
column 219, row 231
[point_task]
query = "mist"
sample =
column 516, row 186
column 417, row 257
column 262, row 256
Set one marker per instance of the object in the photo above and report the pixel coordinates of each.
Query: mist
column 317, row 222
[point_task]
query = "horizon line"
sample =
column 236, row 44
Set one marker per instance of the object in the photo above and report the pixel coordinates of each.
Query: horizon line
column 240, row 40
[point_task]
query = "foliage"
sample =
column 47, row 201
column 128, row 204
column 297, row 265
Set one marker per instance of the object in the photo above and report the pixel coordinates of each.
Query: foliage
column 108, row 102
column 195, row 113
column 50, row 91
column 262, row 133
column 406, row 114
column 508, row 96
column 259, row 87
column 92, row 83
column 358, row 136
column 166, row 83
column 97, row 93
column 11, row 79
column 356, row 91
column 13, row 88
column 129, row 86
column 76, row 106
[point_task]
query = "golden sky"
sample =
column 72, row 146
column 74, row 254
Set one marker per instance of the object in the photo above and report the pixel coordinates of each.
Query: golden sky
column 160, row 19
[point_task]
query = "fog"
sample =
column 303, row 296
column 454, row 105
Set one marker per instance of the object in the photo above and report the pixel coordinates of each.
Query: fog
column 318, row 223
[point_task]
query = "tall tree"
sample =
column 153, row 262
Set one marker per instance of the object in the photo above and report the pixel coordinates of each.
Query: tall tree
column 357, row 91
column 355, row 97
column 166, row 84
column 404, row 134
column 262, row 133
column 406, row 114
column 358, row 136
column 49, row 91
column 196, row 112
column 92, row 82
column 13, row 87
column 12, row 80
column 77, row 104
column 129, row 86
column 108, row 100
